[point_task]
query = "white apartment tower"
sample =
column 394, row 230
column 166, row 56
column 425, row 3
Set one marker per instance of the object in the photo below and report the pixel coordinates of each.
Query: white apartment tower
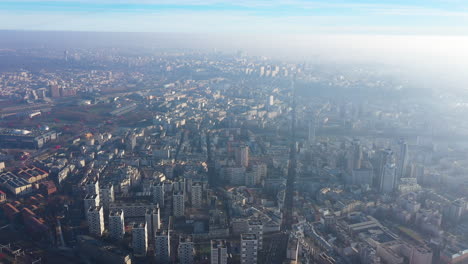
column 153, row 221
column 178, row 204
column 162, row 246
column 95, row 216
column 116, row 224
column 249, row 248
column 92, row 186
column 139, row 239
column 158, row 194
column 218, row 251
column 106, row 195
column 186, row 250
column 242, row 156
column 255, row 226
column 197, row 195
column 91, row 200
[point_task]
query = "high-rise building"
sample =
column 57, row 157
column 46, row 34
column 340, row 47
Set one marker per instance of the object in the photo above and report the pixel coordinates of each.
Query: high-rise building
column 95, row 216
column 179, row 185
column 106, row 195
column 417, row 171
column 158, row 194
column 178, row 204
column 402, row 159
column 354, row 156
column 186, row 250
column 139, row 239
column 130, row 142
column 235, row 175
column 456, row 210
column 250, row 178
column 153, row 221
column 382, row 158
column 249, row 248
column 54, row 91
column 91, row 200
column 92, row 186
column 362, row 176
column 257, row 172
column 116, row 224
column 357, row 154
column 197, row 195
column 162, row 246
column 242, row 156
column 271, row 100
column 218, row 251
column 255, row 226
column 388, row 178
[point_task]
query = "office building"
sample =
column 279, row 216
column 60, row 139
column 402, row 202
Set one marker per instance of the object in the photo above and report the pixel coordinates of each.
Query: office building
column 388, row 178
column 362, row 176
column 402, row 162
column 356, row 154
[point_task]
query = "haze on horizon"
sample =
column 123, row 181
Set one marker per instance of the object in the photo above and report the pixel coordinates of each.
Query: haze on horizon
column 426, row 40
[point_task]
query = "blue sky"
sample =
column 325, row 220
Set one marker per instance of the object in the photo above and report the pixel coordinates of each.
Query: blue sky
column 407, row 17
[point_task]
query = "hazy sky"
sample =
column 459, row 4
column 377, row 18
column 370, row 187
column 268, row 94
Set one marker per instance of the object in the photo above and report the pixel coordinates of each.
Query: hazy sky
column 422, row 17
column 426, row 38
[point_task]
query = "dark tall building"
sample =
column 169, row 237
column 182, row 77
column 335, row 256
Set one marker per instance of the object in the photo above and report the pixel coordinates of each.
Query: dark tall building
column 54, row 91
column 402, row 162
column 384, row 158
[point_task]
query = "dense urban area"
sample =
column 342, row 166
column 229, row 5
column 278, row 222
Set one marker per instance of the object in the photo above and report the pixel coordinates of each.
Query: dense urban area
column 116, row 156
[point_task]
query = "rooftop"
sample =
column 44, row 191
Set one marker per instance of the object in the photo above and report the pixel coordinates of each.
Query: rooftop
column 248, row 236
column 218, row 243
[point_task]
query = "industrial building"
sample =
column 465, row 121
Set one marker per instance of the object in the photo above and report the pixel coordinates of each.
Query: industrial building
column 27, row 139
